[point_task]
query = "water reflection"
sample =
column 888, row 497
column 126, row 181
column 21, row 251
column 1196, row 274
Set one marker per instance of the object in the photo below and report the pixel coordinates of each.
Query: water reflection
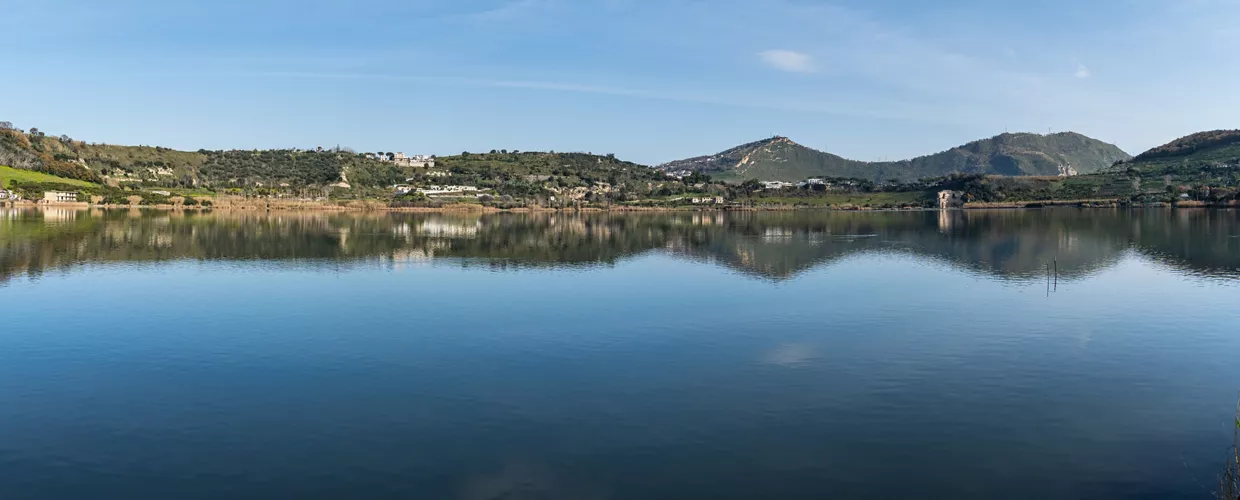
column 1008, row 245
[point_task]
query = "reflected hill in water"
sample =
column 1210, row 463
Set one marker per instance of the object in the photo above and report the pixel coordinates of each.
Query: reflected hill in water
column 1009, row 245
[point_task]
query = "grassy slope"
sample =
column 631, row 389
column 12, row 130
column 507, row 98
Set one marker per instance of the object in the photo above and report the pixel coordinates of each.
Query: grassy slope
column 129, row 157
column 10, row 174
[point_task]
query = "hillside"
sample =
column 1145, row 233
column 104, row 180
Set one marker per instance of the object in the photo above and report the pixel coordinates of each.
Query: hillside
column 65, row 157
column 519, row 174
column 10, row 175
column 1205, row 158
column 1193, row 144
column 779, row 158
column 527, row 173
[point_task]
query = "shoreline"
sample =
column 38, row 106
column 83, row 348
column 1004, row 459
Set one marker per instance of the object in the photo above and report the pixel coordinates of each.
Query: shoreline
column 469, row 208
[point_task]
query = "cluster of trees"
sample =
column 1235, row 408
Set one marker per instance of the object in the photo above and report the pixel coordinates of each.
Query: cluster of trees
column 249, row 167
column 38, row 152
column 525, row 174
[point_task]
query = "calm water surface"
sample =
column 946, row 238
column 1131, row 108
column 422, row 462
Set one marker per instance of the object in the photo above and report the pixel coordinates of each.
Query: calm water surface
column 692, row 355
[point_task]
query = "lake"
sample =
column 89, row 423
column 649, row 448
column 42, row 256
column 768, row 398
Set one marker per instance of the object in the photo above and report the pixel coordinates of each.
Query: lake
column 712, row 355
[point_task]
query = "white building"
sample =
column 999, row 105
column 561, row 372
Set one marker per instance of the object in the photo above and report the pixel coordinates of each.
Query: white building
column 420, row 161
column 447, row 189
column 949, row 199
column 59, row 197
column 4, row 195
column 776, row 185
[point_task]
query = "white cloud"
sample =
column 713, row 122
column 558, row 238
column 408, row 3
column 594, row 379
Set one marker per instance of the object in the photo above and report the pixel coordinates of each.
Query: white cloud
column 787, row 60
column 1082, row 72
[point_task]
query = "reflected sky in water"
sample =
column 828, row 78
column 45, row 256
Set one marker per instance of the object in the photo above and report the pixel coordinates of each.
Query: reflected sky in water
column 689, row 355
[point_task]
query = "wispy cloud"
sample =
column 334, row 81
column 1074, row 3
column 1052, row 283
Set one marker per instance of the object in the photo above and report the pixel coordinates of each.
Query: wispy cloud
column 507, row 11
column 788, row 60
column 852, row 106
column 1082, row 72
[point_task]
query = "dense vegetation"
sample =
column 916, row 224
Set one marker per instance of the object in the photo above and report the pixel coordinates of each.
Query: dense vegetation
column 295, row 168
column 162, row 167
column 38, row 152
column 542, row 175
column 1007, row 154
column 1191, row 144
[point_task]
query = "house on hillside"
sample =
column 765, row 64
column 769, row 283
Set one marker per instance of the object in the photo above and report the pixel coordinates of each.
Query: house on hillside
column 776, row 185
column 4, row 194
column 59, row 197
column 420, row 161
column 708, row 200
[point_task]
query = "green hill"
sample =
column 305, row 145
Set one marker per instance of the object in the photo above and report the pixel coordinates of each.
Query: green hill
column 65, row 157
column 1210, row 159
column 516, row 173
column 779, row 158
column 526, row 173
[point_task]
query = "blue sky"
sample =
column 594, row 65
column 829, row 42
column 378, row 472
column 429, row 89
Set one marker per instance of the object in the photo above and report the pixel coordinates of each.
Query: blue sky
column 648, row 80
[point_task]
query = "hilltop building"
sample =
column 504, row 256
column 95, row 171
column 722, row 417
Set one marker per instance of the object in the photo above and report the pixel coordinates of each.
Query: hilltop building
column 419, row 161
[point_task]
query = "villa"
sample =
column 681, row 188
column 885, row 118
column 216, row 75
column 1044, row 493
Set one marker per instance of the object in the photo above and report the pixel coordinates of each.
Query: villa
column 420, row 161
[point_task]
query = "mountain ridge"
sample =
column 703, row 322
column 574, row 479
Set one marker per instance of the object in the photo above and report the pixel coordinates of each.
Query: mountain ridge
column 1016, row 154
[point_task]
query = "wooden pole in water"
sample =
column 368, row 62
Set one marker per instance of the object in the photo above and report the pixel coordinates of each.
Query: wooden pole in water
column 1056, row 275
